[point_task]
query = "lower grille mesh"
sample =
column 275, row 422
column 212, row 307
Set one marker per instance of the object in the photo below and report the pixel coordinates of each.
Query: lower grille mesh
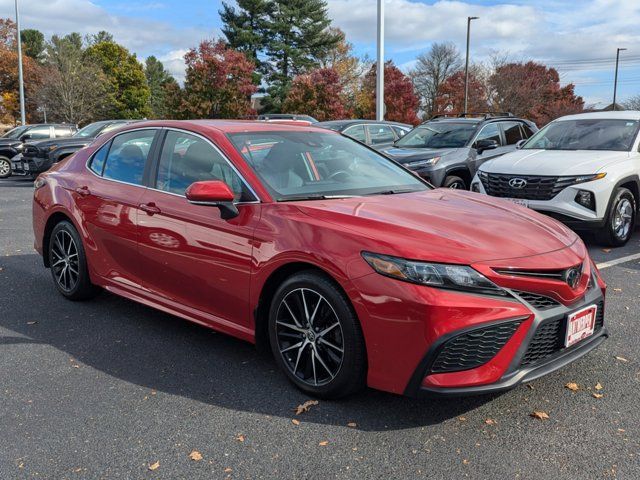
column 537, row 301
column 472, row 349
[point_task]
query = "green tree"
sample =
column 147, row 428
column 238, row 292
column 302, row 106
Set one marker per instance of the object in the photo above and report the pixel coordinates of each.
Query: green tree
column 158, row 79
column 130, row 93
column 101, row 36
column 33, row 43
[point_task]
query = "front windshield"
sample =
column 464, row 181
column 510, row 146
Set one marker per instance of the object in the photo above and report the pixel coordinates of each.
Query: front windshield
column 438, row 135
column 307, row 165
column 588, row 134
column 90, row 130
column 15, row 132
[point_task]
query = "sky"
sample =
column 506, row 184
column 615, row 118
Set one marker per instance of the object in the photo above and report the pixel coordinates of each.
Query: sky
column 578, row 37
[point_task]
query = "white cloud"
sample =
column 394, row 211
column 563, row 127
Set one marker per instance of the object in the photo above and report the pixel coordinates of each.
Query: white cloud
column 174, row 62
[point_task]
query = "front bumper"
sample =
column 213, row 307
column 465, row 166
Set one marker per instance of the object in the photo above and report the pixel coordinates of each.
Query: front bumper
column 21, row 165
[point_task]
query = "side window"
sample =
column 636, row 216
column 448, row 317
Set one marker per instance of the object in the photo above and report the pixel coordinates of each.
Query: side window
column 527, row 130
column 512, row 132
column 380, row 134
column 128, row 156
column 63, row 131
column 356, row 132
column 400, row 132
column 97, row 162
column 39, row 133
column 490, row 132
column 186, row 159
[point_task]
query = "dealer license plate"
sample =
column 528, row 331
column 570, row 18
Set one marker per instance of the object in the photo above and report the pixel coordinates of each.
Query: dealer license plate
column 519, row 201
column 580, row 325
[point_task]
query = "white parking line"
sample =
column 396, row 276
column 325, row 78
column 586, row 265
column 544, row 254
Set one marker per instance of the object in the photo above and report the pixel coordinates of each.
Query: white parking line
column 618, row 261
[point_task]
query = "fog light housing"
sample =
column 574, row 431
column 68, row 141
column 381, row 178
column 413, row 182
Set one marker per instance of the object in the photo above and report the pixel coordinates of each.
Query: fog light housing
column 586, row 199
column 475, row 187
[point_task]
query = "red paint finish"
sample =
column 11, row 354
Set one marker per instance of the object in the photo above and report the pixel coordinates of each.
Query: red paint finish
column 159, row 249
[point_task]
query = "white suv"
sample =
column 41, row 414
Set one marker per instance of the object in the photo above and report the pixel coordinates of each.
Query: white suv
column 580, row 169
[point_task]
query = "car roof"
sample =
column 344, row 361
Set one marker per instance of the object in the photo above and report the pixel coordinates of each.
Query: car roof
column 345, row 123
column 229, row 126
column 622, row 115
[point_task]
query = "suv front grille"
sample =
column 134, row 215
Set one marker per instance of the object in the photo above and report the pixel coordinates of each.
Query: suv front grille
column 537, row 301
column 472, row 349
column 537, row 187
column 549, row 338
column 31, row 151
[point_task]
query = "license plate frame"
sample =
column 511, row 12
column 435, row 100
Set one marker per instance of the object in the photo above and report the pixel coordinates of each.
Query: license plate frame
column 580, row 325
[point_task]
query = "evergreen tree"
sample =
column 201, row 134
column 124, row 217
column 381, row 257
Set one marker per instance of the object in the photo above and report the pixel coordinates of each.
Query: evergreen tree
column 158, row 79
column 33, row 43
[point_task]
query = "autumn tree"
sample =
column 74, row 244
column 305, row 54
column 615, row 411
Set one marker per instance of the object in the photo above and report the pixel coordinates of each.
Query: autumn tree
column 401, row 102
column 533, row 91
column 319, row 94
column 450, row 98
column 218, row 82
column 158, row 79
column 129, row 93
column 432, row 70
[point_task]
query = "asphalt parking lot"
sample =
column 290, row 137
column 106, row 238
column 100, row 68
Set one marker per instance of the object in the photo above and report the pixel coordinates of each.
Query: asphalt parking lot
column 108, row 388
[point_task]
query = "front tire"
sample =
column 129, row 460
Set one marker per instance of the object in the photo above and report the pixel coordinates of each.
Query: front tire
column 315, row 336
column 5, row 167
column 455, row 183
column 68, row 263
column 620, row 220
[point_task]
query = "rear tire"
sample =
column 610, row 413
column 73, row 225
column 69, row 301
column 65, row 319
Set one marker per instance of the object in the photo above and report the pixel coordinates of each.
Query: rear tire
column 620, row 220
column 455, row 183
column 316, row 337
column 5, row 167
column 68, row 263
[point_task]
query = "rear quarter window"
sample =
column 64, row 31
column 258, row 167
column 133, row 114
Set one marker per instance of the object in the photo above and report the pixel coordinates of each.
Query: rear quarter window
column 97, row 162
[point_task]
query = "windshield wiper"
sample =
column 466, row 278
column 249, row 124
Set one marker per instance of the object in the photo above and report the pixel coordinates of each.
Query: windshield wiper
column 300, row 198
column 392, row 192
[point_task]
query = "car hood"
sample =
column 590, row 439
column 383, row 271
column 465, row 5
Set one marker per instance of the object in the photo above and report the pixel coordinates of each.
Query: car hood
column 553, row 162
column 405, row 155
column 9, row 142
column 445, row 226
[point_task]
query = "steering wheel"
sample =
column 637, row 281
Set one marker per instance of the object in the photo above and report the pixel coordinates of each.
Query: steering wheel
column 343, row 173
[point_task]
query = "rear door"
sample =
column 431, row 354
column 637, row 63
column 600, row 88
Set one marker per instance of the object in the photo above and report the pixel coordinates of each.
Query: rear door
column 109, row 200
column 513, row 133
column 381, row 136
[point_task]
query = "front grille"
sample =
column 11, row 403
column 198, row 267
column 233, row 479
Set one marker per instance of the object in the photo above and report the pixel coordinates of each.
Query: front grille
column 537, row 301
column 538, row 187
column 549, row 338
column 472, row 349
column 31, row 151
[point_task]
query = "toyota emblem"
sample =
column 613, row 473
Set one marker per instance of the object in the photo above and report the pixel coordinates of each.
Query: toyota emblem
column 518, row 183
column 572, row 276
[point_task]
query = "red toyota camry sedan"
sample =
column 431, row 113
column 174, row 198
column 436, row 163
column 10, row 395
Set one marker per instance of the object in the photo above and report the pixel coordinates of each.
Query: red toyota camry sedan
column 348, row 267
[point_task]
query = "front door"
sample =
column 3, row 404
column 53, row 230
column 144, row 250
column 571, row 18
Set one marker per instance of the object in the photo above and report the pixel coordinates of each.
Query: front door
column 189, row 255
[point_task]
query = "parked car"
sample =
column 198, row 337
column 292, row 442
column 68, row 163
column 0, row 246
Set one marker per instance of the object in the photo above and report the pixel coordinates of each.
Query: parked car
column 13, row 142
column 447, row 151
column 39, row 156
column 350, row 268
column 580, row 169
column 370, row 132
column 267, row 117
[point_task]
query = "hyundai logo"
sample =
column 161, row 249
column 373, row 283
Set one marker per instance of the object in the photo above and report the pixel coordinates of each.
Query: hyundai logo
column 572, row 276
column 518, row 183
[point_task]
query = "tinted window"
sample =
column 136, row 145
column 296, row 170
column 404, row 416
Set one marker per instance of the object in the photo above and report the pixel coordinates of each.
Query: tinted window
column 400, row 132
column 187, row 158
column 512, row 132
column 90, row 130
column 300, row 165
column 128, row 155
column 63, row 131
column 586, row 134
column 527, row 130
column 380, row 134
column 15, row 133
column 438, row 135
column 490, row 132
column 38, row 133
column 97, row 163
column 356, row 132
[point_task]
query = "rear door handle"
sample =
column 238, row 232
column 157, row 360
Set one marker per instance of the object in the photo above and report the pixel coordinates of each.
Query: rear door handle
column 150, row 208
column 83, row 191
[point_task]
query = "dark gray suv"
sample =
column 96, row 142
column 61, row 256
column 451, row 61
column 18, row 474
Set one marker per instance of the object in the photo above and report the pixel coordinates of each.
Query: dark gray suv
column 448, row 150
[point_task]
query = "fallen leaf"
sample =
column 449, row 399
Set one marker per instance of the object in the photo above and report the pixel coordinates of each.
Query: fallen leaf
column 240, row 438
column 617, row 289
column 490, row 421
column 621, row 430
column 606, row 250
column 465, row 461
column 622, row 359
column 574, row 387
column 324, row 443
column 539, row 415
column 352, row 424
column 31, row 323
column 598, row 386
column 295, row 422
column 196, row 456
column 305, row 406
column 228, row 470
column 154, row 466
column 597, row 395
column 75, row 365
column 529, row 386
column 462, row 419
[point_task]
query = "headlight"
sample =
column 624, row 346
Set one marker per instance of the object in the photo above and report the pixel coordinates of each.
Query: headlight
column 422, row 163
column 19, row 147
column 439, row 275
column 589, row 178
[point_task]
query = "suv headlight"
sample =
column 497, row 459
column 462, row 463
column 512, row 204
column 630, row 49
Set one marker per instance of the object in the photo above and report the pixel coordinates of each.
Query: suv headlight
column 589, row 178
column 439, row 275
column 422, row 163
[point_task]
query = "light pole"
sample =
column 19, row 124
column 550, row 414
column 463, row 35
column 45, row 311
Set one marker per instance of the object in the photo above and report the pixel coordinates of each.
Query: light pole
column 380, row 65
column 20, row 78
column 466, row 65
column 615, row 81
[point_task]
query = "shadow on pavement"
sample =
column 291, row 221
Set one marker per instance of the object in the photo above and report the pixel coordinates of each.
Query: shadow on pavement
column 146, row 347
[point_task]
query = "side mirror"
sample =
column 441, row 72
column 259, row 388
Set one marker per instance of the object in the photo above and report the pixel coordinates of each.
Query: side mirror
column 213, row 193
column 520, row 143
column 486, row 144
column 25, row 137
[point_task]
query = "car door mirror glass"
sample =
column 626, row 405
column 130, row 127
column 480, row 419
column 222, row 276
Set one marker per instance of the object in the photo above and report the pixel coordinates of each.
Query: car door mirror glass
column 213, row 193
column 486, row 144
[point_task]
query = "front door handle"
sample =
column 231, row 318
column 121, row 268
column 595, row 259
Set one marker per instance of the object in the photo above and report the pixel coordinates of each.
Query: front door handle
column 150, row 208
column 83, row 191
